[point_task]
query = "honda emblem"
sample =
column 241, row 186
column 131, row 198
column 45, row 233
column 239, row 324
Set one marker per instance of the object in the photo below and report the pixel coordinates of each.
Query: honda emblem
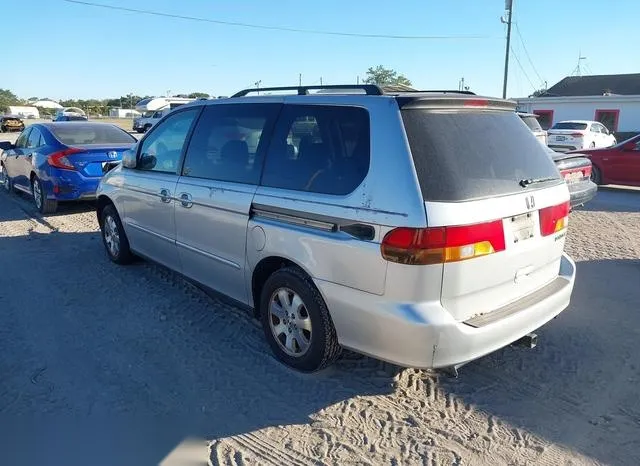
column 112, row 154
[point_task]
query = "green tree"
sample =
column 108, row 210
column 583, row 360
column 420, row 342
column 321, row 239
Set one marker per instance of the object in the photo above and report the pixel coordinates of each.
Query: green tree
column 198, row 95
column 8, row 98
column 538, row 93
column 384, row 76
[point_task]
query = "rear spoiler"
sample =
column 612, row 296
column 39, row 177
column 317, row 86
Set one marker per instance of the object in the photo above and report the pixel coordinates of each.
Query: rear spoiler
column 453, row 101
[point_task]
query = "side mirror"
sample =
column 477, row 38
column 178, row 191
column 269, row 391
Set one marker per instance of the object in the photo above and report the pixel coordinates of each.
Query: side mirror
column 129, row 159
column 148, row 162
column 6, row 145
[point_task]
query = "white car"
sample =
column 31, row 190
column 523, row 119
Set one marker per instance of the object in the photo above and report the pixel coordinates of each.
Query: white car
column 579, row 134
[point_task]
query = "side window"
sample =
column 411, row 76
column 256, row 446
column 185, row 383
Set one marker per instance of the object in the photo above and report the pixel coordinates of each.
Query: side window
column 157, row 115
column 321, row 149
column 34, row 139
column 161, row 149
column 21, row 143
column 229, row 142
column 594, row 128
column 603, row 129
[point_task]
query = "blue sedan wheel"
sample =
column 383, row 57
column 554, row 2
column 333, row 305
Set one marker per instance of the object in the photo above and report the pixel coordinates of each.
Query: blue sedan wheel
column 44, row 205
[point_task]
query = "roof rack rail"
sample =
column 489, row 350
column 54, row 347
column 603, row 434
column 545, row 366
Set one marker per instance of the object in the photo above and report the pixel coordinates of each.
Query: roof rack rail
column 435, row 91
column 369, row 89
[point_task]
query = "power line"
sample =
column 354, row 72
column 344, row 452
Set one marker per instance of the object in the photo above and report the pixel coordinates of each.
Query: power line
column 526, row 52
column 522, row 69
column 273, row 28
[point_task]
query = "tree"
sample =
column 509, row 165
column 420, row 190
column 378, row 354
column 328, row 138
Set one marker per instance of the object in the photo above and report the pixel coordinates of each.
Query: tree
column 8, row 98
column 198, row 95
column 539, row 93
column 384, row 76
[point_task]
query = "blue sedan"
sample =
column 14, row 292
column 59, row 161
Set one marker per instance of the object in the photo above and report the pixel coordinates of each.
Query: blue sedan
column 62, row 161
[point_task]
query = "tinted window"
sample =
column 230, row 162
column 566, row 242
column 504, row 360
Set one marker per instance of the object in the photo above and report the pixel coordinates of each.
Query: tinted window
column 23, row 138
column 319, row 149
column 90, row 133
column 473, row 154
column 161, row 149
column 532, row 123
column 595, row 128
column 34, row 139
column 229, row 142
column 569, row 125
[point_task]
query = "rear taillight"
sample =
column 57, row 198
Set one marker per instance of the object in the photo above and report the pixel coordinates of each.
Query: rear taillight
column 554, row 219
column 476, row 103
column 576, row 135
column 438, row 245
column 587, row 171
column 60, row 160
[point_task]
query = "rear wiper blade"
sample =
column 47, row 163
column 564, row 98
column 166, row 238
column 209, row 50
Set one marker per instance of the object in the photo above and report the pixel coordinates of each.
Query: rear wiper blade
column 527, row 182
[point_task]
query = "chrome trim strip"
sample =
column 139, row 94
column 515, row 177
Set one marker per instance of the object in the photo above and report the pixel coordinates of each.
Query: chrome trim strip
column 294, row 220
column 208, row 255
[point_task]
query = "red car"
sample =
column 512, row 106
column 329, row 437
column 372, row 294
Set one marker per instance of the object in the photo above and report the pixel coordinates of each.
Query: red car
column 619, row 164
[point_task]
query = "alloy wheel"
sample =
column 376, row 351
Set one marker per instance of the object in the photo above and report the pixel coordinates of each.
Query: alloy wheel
column 290, row 322
column 111, row 236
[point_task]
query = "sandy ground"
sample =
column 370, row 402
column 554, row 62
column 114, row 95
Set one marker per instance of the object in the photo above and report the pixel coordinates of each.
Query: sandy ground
column 108, row 365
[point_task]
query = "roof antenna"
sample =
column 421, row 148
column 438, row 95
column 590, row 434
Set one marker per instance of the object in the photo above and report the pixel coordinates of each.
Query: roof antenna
column 577, row 71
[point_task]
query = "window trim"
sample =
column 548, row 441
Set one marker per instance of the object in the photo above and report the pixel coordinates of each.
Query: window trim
column 616, row 118
column 539, row 113
column 187, row 140
column 27, row 133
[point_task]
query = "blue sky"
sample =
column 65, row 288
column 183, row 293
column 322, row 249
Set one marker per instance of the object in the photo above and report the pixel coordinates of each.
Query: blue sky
column 74, row 51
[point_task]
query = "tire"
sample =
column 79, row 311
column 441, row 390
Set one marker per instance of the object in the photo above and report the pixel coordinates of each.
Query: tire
column 596, row 176
column 146, row 128
column 114, row 237
column 310, row 334
column 44, row 205
column 6, row 182
column 592, row 145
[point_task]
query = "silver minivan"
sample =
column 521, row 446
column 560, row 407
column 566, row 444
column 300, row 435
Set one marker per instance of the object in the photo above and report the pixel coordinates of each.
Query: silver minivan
column 423, row 228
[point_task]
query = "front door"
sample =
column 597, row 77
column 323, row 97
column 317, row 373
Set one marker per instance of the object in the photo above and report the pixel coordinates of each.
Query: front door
column 13, row 158
column 148, row 203
column 221, row 170
column 625, row 165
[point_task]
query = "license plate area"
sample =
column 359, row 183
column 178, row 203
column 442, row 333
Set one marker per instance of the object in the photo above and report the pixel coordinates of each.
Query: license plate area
column 522, row 227
column 561, row 138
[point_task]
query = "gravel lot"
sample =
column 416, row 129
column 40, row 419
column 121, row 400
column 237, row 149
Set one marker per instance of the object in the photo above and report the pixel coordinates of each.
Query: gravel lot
column 108, row 365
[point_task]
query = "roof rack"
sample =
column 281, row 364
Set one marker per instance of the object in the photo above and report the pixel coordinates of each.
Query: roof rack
column 369, row 89
column 433, row 91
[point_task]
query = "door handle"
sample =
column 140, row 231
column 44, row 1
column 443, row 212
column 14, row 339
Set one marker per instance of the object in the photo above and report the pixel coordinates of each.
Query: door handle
column 186, row 200
column 165, row 195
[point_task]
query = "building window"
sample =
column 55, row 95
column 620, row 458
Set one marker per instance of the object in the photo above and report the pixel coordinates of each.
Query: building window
column 609, row 118
column 545, row 118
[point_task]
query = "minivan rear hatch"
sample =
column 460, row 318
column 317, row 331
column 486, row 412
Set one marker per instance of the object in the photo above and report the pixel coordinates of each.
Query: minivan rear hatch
column 495, row 196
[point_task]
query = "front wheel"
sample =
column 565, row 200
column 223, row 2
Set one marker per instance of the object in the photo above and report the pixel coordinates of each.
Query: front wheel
column 5, row 181
column 114, row 237
column 296, row 321
column 44, row 205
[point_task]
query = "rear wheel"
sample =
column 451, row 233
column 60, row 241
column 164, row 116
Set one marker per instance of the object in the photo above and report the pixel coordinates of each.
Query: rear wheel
column 592, row 145
column 114, row 238
column 296, row 321
column 44, row 205
column 146, row 128
column 5, row 181
column 596, row 176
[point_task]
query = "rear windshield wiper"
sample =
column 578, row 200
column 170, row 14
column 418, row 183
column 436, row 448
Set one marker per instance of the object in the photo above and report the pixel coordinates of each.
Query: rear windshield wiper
column 527, row 182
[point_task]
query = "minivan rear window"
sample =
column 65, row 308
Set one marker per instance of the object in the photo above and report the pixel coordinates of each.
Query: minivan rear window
column 473, row 154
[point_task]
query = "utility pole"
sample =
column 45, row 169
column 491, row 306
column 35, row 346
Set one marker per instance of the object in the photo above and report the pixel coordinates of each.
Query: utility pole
column 321, row 80
column 358, row 80
column 508, row 6
column 257, row 83
column 300, row 79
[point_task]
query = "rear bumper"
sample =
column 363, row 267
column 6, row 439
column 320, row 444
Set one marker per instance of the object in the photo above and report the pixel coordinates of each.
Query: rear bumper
column 425, row 335
column 67, row 185
column 563, row 148
column 582, row 192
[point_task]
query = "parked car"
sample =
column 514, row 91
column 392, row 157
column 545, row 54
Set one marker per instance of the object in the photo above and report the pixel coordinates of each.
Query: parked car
column 10, row 123
column 337, row 233
column 531, row 120
column 574, row 168
column 619, row 164
column 61, row 161
column 579, row 134
column 71, row 118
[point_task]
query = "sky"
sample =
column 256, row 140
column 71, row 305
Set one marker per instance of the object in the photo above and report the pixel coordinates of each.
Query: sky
column 69, row 50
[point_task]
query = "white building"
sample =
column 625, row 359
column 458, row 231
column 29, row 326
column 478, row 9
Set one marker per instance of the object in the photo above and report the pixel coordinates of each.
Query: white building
column 23, row 112
column 123, row 113
column 613, row 100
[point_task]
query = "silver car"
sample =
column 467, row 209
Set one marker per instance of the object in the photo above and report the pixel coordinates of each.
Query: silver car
column 422, row 228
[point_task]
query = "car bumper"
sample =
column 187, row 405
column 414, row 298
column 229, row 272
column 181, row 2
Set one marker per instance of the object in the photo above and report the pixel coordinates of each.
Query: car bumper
column 582, row 192
column 564, row 147
column 425, row 335
column 71, row 186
